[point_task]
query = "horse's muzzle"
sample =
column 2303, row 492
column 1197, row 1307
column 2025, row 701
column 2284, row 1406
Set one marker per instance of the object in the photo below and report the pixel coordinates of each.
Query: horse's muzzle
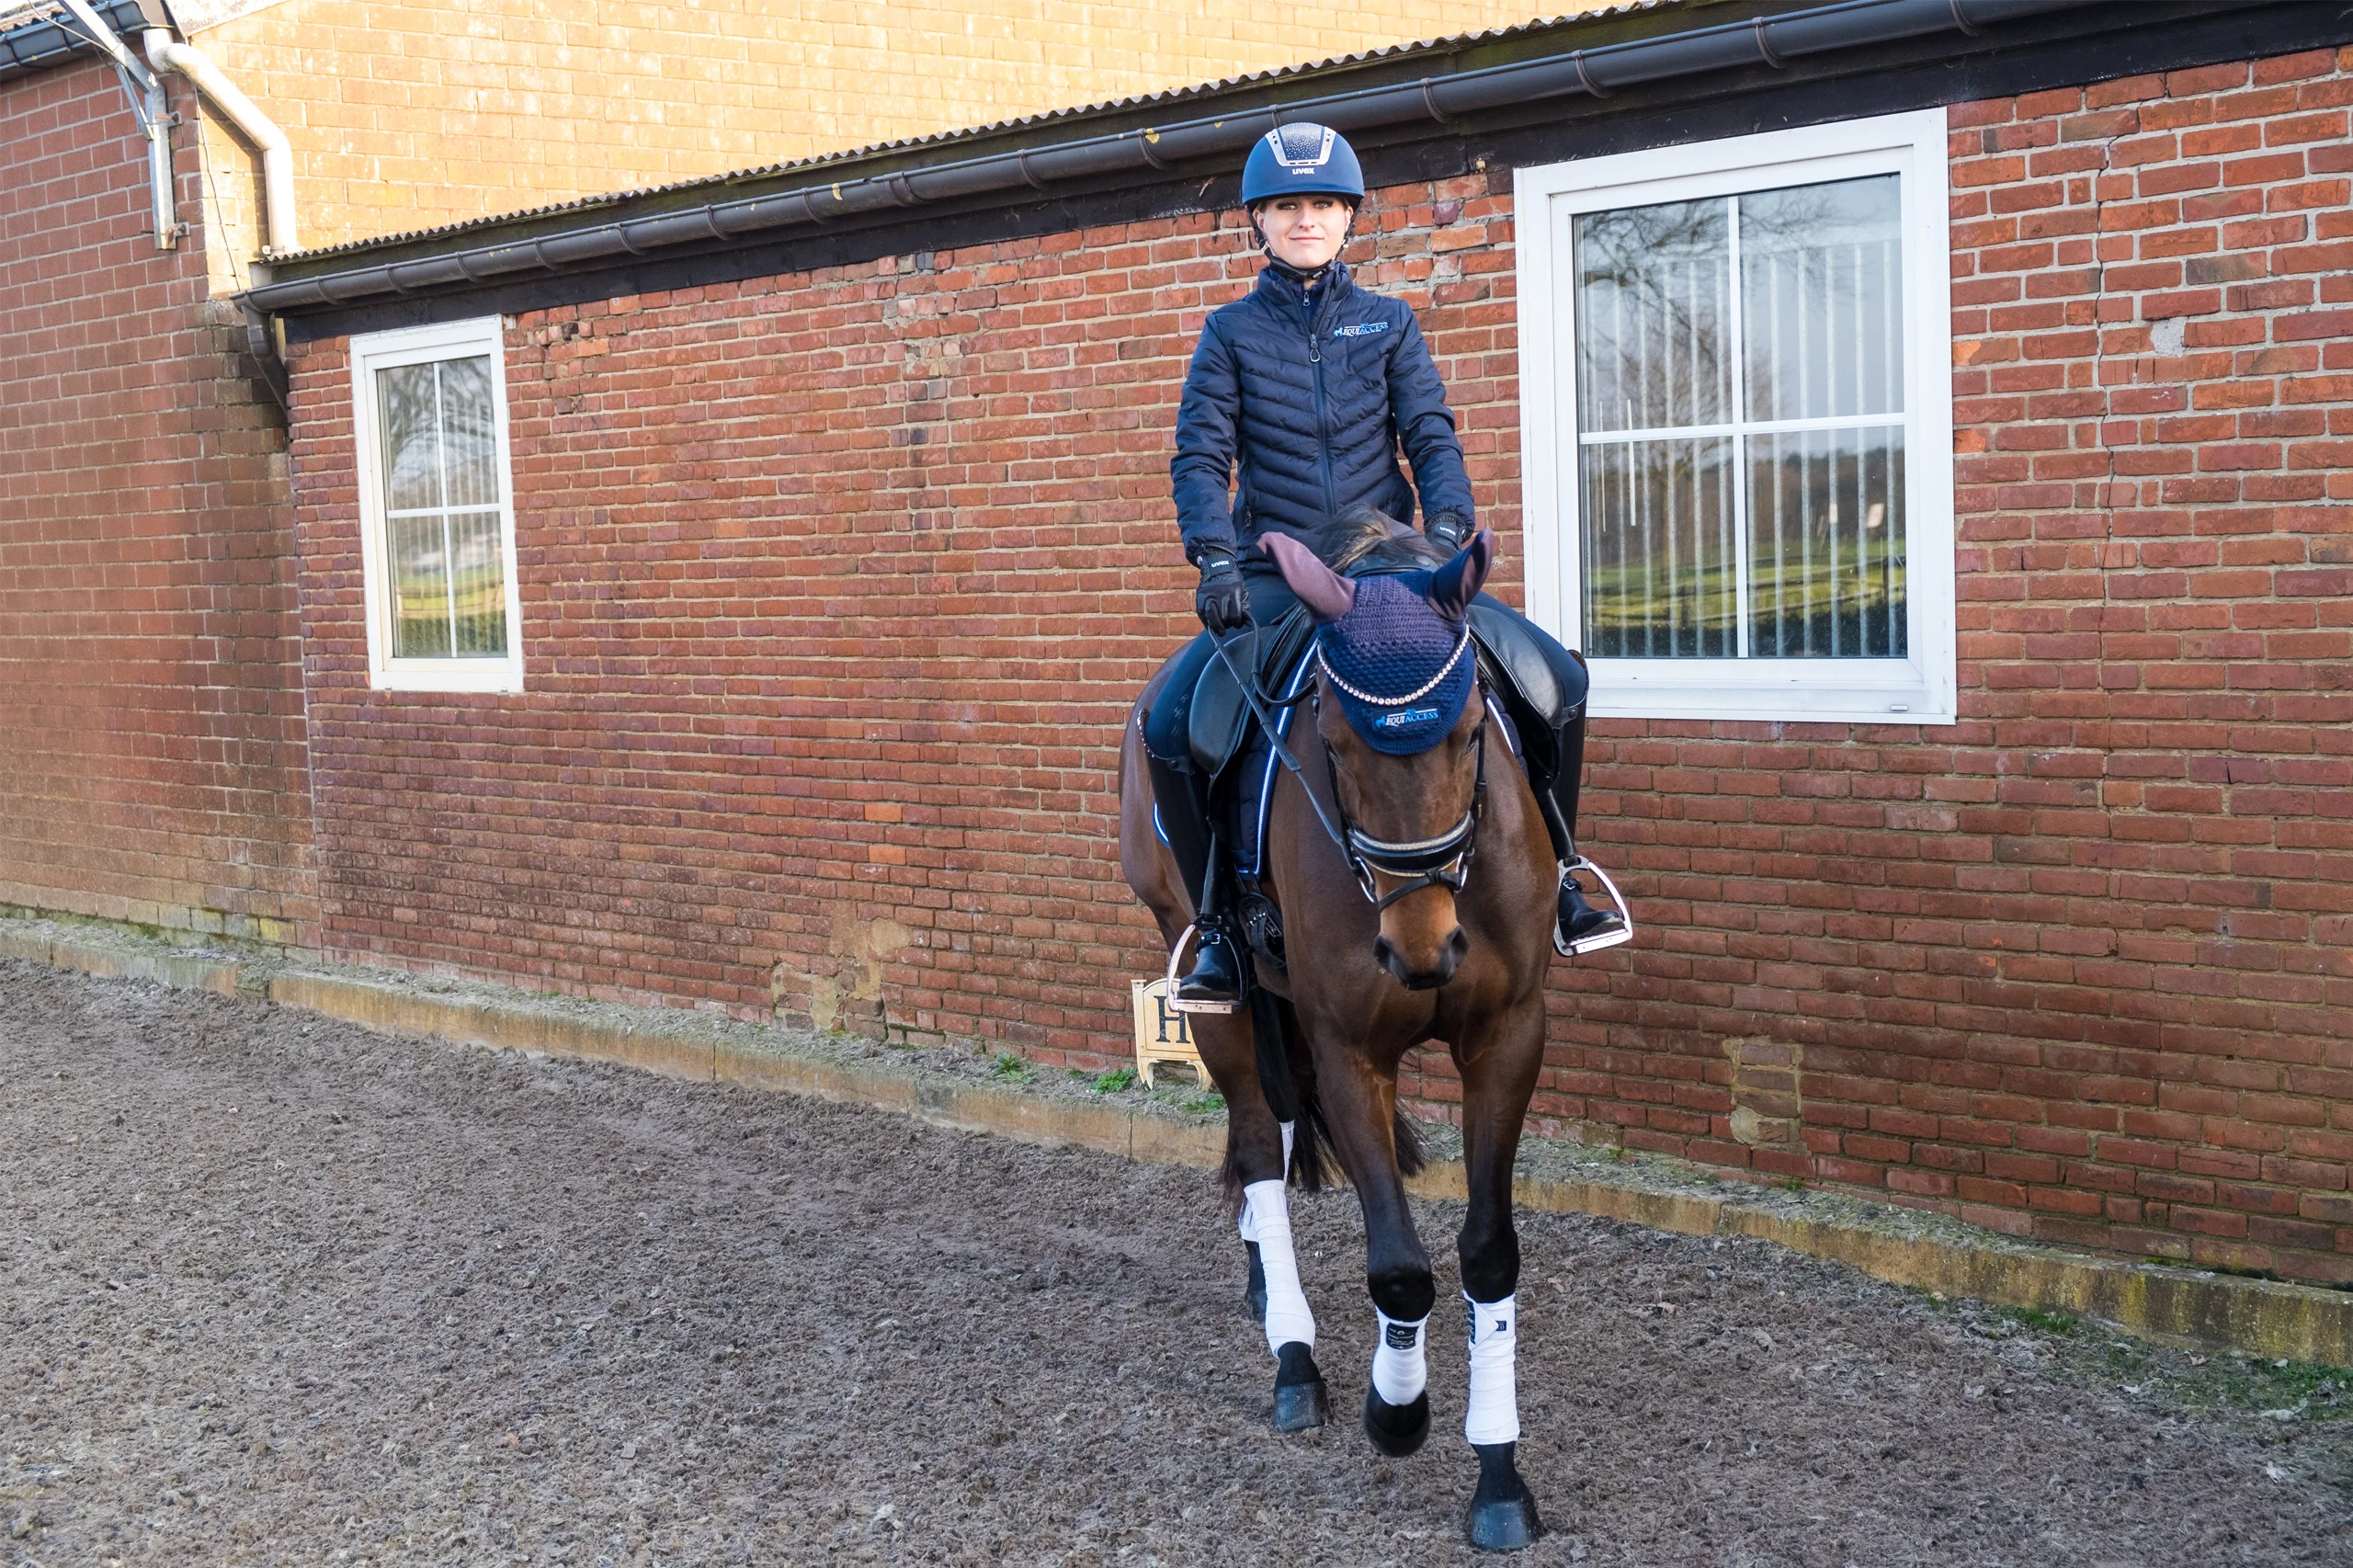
column 1451, row 953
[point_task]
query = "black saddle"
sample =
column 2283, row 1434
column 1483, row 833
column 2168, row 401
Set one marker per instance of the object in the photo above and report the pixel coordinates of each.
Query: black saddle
column 1509, row 654
column 1221, row 718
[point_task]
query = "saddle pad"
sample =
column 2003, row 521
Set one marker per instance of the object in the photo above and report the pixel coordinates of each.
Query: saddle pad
column 1220, row 716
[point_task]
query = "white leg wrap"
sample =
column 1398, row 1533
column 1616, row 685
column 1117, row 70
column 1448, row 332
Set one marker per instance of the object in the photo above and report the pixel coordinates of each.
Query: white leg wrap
column 1493, row 1412
column 1400, row 1368
column 1246, row 1224
column 1265, row 1216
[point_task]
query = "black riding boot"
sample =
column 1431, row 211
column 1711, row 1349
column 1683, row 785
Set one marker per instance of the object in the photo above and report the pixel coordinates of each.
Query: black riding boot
column 1555, row 779
column 1215, row 983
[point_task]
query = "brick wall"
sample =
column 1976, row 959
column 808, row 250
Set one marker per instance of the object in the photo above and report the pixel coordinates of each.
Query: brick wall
column 151, row 703
column 835, row 587
column 401, row 120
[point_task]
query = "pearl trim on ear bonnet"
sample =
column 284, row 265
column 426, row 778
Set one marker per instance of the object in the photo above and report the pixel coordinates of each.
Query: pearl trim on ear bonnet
column 1401, row 671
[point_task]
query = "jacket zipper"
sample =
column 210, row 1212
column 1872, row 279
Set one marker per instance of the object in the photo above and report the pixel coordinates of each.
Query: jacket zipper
column 1322, row 405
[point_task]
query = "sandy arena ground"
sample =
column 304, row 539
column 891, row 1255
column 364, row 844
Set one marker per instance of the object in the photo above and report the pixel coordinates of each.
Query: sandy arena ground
column 275, row 1290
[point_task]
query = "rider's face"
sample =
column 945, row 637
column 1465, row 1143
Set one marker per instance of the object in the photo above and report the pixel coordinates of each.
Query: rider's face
column 1305, row 232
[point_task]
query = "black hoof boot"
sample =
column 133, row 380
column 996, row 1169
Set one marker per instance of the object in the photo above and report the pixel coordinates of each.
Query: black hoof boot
column 1580, row 920
column 1253, row 1295
column 1301, row 1402
column 1216, row 979
column 1502, row 1514
column 1397, row 1429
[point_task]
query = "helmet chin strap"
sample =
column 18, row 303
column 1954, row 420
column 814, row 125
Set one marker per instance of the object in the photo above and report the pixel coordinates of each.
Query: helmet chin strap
column 1306, row 276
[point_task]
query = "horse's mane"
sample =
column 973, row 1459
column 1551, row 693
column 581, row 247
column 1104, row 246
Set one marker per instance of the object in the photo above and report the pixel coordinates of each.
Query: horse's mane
column 1366, row 539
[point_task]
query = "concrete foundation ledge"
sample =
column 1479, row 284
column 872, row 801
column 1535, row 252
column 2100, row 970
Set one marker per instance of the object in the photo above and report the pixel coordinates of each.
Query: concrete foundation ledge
column 112, row 954
column 953, row 1087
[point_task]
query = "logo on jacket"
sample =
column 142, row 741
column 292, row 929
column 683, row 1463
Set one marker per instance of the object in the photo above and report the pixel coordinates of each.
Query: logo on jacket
column 1362, row 329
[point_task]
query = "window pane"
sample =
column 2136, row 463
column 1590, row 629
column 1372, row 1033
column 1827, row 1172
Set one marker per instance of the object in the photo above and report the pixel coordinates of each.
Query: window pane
column 1659, row 549
column 1825, row 514
column 1822, row 299
column 420, row 588
column 468, row 433
column 440, row 445
column 1654, row 293
column 405, row 403
column 478, row 584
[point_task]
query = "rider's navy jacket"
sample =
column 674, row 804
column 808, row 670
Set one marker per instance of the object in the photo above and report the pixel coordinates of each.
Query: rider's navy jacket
column 1313, row 397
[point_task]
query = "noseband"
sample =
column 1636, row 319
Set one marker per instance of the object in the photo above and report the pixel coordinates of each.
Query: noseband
column 1441, row 862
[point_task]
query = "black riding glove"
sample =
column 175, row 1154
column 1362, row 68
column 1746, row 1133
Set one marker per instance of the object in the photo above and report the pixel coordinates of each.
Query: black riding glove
column 1221, row 601
column 1450, row 529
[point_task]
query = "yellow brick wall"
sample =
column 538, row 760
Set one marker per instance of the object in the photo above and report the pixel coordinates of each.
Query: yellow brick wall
column 409, row 114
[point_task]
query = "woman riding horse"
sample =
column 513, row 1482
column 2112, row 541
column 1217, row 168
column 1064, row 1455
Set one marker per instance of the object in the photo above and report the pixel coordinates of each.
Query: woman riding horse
column 1308, row 385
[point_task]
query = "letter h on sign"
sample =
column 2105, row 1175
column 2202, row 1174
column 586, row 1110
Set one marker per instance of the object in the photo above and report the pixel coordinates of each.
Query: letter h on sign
column 1161, row 1034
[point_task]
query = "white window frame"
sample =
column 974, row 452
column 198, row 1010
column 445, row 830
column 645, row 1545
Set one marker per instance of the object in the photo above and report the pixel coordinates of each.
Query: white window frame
column 1923, row 688
column 377, row 351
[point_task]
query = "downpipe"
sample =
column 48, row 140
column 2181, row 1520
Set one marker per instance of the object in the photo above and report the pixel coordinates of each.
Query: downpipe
column 153, row 114
column 276, row 152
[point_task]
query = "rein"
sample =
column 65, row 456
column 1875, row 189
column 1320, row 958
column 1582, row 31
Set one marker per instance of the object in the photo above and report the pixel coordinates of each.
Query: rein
column 1260, row 706
column 1443, row 861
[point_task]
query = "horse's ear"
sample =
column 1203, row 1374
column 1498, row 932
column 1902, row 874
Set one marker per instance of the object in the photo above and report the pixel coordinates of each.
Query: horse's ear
column 1456, row 584
column 1326, row 594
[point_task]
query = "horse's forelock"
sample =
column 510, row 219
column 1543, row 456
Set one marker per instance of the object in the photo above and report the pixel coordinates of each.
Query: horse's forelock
column 1366, row 537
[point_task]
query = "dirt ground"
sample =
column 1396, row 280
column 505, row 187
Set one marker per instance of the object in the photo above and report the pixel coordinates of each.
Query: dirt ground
column 273, row 1289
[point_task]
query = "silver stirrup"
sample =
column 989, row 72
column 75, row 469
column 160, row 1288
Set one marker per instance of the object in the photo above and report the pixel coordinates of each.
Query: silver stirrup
column 1600, row 940
column 1175, row 954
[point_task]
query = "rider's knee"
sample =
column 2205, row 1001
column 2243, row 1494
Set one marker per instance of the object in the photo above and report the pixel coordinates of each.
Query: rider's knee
column 1164, row 733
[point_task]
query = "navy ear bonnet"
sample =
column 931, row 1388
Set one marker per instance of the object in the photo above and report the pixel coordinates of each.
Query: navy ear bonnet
column 1401, row 670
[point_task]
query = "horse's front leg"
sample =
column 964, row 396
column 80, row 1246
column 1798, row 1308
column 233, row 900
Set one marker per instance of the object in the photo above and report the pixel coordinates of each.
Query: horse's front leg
column 1500, row 1066
column 1360, row 1107
column 1257, row 1160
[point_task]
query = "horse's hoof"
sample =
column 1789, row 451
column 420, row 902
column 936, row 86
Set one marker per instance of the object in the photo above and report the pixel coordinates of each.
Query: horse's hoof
column 1253, row 1295
column 1508, row 1524
column 1301, row 1402
column 1503, row 1512
column 1397, row 1429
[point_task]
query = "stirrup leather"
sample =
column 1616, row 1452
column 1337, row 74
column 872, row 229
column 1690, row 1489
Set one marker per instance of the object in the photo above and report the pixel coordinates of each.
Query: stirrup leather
column 1600, row 940
column 1176, row 956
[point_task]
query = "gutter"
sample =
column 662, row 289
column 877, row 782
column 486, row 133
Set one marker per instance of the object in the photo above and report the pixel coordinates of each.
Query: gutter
column 276, row 152
column 1152, row 151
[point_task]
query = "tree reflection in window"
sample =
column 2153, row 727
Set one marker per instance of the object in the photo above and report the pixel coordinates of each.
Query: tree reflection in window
column 441, row 510
column 1740, row 424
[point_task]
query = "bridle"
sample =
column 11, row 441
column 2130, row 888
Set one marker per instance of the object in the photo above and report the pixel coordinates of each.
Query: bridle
column 1443, row 861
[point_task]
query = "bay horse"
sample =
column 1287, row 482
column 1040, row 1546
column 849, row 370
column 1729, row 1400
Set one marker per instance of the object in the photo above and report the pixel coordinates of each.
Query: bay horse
column 1392, row 939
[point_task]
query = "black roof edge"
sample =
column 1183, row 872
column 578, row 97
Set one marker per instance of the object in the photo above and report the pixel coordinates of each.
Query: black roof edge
column 1113, row 157
column 57, row 40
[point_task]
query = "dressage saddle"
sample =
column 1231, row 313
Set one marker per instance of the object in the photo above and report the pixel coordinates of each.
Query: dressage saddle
column 1515, row 666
